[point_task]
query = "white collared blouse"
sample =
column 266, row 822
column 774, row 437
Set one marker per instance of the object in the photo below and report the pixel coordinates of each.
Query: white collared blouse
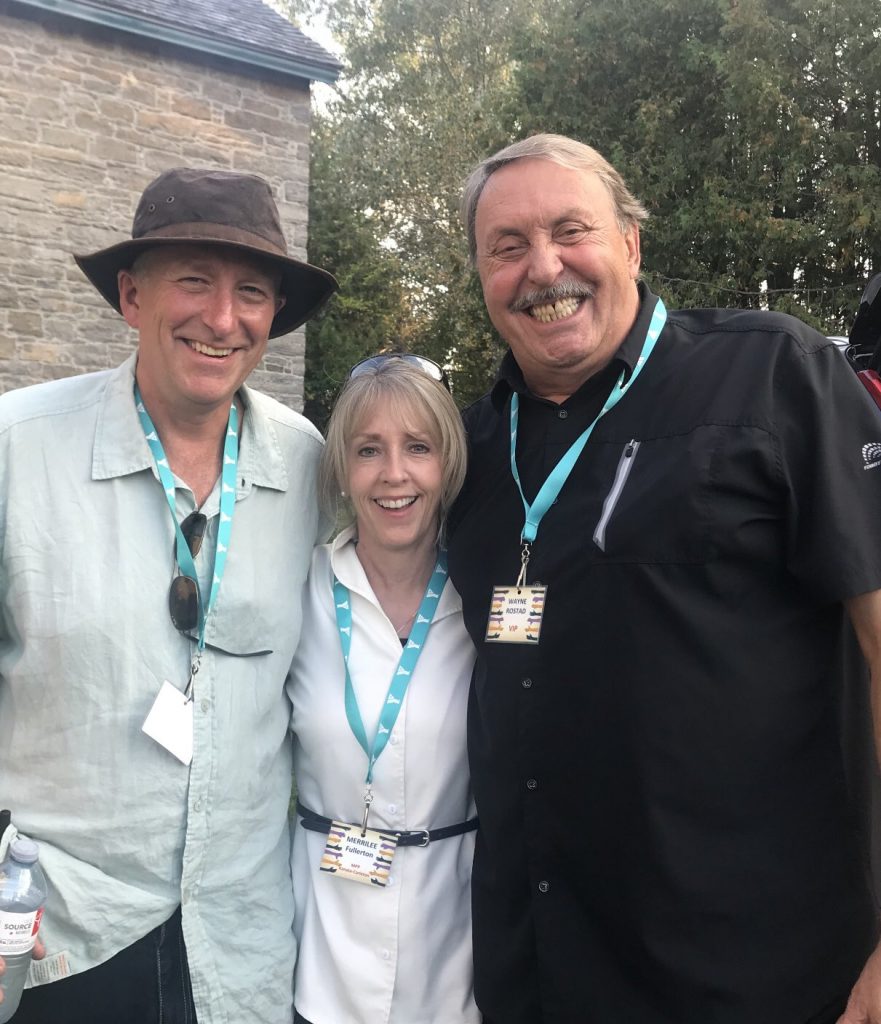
column 399, row 955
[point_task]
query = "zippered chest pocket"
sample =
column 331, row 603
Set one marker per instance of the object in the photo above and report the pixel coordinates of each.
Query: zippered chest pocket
column 657, row 501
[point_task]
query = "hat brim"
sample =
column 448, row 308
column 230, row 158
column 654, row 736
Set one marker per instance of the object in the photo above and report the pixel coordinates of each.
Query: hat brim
column 304, row 287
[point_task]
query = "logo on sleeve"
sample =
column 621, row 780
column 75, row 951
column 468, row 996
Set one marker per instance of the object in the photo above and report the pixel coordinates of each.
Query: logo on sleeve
column 872, row 455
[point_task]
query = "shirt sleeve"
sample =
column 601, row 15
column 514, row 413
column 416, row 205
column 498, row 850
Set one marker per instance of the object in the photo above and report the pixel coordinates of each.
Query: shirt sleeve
column 4, row 579
column 829, row 456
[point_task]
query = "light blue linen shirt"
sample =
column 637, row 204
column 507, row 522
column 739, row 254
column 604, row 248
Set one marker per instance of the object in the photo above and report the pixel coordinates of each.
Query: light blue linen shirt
column 126, row 832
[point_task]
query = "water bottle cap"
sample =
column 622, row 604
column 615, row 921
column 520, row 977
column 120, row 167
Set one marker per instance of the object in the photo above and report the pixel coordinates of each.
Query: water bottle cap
column 23, row 850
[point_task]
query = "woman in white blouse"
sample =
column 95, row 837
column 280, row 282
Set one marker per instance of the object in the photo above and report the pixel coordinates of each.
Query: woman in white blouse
column 385, row 826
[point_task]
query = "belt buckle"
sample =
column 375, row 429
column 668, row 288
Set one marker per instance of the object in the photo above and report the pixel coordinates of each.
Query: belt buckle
column 426, row 837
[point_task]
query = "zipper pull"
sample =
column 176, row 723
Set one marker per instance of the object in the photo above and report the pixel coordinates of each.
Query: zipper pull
column 628, row 451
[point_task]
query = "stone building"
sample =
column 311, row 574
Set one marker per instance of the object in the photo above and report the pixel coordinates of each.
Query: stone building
column 96, row 98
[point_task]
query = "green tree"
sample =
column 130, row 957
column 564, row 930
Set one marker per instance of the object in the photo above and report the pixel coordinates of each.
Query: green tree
column 749, row 127
column 418, row 107
column 369, row 312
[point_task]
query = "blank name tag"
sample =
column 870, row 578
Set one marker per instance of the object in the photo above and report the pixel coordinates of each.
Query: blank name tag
column 515, row 615
column 170, row 722
column 363, row 858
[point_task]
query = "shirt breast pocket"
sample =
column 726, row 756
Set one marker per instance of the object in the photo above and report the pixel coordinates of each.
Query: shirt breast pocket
column 657, row 503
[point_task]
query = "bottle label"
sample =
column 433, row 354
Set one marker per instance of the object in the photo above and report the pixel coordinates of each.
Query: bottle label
column 51, row 968
column 18, row 931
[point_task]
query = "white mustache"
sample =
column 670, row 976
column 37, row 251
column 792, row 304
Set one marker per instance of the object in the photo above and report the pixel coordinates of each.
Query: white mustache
column 548, row 296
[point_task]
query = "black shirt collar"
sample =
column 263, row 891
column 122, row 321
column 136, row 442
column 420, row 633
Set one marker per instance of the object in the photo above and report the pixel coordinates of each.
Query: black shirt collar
column 510, row 376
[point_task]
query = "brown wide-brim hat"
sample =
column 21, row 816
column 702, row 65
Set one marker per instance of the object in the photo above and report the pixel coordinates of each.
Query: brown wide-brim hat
column 209, row 207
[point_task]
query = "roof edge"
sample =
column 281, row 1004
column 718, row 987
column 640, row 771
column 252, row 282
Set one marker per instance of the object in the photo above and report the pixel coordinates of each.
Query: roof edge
column 292, row 67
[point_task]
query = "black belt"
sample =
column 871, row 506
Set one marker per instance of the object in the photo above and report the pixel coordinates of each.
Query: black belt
column 422, row 837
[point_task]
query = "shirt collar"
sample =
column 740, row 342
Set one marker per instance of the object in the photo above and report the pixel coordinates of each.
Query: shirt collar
column 260, row 457
column 348, row 570
column 510, row 376
column 120, row 447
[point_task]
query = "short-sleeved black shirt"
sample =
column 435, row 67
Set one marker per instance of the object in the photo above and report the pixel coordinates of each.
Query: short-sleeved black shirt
column 666, row 835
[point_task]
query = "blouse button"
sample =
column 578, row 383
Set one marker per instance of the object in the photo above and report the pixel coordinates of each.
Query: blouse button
column 543, row 886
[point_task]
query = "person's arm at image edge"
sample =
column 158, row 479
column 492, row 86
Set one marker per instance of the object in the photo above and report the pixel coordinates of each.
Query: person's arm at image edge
column 864, row 1005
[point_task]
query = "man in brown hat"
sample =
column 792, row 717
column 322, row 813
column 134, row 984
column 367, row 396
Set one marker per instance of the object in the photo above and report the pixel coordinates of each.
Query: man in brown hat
column 156, row 523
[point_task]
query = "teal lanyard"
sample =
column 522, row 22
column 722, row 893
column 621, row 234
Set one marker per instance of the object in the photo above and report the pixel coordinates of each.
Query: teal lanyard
column 406, row 665
column 227, row 505
column 551, row 488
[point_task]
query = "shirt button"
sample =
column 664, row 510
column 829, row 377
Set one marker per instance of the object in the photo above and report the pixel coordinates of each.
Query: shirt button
column 197, row 806
column 386, row 955
column 531, row 784
column 391, row 879
column 526, row 683
column 563, row 413
column 392, row 808
column 204, row 706
column 393, row 740
column 543, row 886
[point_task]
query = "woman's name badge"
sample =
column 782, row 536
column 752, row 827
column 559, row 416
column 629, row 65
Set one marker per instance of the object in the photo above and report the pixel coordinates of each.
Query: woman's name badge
column 515, row 615
column 360, row 855
column 170, row 722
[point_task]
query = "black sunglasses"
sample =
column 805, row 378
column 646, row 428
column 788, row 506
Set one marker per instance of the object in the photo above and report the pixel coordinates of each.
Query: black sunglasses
column 423, row 363
column 183, row 594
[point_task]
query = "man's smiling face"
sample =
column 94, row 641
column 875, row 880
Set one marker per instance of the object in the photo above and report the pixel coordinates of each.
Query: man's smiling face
column 203, row 316
column 558, row 274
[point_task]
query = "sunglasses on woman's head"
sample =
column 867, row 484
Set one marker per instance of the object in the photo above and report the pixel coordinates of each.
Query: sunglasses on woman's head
column 423, row 363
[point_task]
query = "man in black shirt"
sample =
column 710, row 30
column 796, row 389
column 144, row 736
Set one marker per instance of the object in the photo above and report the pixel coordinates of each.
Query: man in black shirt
column 666, row 831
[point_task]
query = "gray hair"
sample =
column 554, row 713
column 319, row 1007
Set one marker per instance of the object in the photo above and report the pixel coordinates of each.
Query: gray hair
column 416, row 396
column 629, row 211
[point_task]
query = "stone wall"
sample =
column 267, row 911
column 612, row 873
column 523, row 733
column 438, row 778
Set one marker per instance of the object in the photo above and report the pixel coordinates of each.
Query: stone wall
column 87, row 118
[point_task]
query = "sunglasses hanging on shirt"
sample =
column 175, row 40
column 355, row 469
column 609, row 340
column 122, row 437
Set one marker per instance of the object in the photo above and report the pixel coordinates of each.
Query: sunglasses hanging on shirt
column 183, row 594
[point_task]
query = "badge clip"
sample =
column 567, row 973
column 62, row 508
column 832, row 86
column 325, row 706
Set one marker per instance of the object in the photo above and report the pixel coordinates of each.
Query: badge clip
column 368, row 800
column 524, row 561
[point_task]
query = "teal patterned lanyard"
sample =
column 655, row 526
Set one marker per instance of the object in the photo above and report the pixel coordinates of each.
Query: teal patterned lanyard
column 406, row 666
column 227, row 505
column 551, row 488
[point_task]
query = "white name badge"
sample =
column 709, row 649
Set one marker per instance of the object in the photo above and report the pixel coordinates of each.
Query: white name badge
column 170, row 722
column 515, row 615
column 359, row 857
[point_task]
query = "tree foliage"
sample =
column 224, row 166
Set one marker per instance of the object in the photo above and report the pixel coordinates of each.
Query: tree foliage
column 369, row 312
column 750, row 128
column 418, row 107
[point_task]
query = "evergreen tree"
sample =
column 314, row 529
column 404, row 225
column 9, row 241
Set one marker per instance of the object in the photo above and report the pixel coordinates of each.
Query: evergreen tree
column 750, row 128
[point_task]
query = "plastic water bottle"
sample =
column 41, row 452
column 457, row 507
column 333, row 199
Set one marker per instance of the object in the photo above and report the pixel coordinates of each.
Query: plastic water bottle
column 22, row 895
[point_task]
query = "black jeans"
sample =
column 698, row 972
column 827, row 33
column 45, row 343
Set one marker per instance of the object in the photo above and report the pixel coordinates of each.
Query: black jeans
column 829, row 1015
column 145, row 983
